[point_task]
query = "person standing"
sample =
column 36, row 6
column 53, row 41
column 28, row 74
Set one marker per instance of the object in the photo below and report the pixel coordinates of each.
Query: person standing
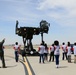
column 57, row 52
column 51, row 53
column 2, row 53
column 69, row 52
column 41, row 52
column 64, row 51
column 74, row 48
column 16, row 48
column 46, row 52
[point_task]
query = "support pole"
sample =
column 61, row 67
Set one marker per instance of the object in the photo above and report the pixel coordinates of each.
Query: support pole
column 42, row 36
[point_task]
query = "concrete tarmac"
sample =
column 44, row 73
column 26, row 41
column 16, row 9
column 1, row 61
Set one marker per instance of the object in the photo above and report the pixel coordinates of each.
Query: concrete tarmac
column 13, row 68
column 49, row 68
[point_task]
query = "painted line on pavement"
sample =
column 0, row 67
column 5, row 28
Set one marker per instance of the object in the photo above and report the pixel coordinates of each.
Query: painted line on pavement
column 28, row 66
column 33, row 73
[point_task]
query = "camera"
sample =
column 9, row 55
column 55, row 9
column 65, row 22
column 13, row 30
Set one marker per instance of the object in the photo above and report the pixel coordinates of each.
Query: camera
column 27, row 34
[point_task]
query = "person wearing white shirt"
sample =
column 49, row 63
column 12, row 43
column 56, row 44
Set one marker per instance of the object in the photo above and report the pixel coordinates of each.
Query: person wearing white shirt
column 69, row 52
column 41, row 52
column 51, row 53
column 16, row 48
column 74, row 48
column 46, row 52
column 64, row 51
column 57, row 52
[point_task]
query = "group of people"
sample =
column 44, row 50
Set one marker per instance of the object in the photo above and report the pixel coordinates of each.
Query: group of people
column 43, row 52
column 16, row 51
column 67, row 51
column 55, row 52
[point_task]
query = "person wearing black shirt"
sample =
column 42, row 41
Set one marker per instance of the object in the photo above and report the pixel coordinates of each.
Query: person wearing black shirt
column 2, row 53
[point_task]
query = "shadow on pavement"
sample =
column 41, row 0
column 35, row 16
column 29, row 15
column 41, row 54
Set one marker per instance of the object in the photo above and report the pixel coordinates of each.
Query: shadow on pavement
column 63, row 66
column 11, row 66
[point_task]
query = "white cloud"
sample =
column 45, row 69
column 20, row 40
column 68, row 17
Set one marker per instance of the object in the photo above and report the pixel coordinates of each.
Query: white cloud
column 45, row 4
column 63, row 11
column 68, row 5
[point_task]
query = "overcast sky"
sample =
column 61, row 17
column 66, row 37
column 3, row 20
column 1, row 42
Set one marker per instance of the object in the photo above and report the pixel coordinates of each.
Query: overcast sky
column 61, row 14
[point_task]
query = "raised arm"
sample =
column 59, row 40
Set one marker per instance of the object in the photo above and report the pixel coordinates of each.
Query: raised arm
column 3, row 41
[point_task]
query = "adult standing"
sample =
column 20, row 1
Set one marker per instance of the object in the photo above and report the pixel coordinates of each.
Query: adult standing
column 51, row 53
column 46, row 52
column 57, row 52
column 64, row 51
column 69, row 52
column 74, row 48
column 2, row 53
column 41, row 52
column 16, row 48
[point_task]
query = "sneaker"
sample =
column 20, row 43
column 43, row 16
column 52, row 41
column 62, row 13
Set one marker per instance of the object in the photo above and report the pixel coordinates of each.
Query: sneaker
column 57, row 66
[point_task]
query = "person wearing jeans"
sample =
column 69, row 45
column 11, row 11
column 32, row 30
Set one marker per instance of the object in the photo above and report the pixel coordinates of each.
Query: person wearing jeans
column 64, row 51
column 57, row 60
column 16, row 48
column 57, row 53
column 41, row 52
